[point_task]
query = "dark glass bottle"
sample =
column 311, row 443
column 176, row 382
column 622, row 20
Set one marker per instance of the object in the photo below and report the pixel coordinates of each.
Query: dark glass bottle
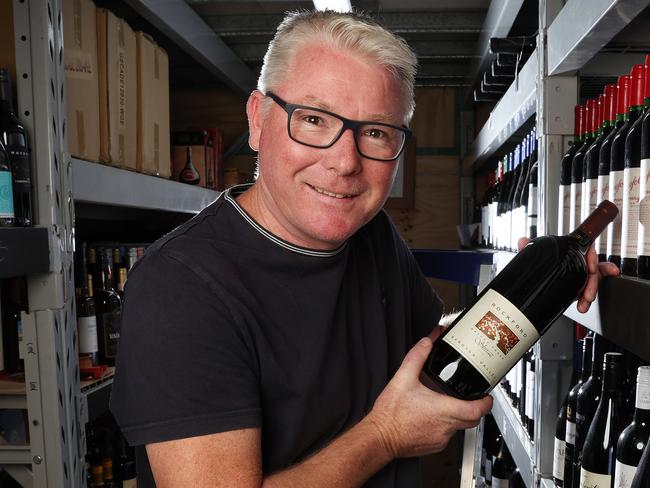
column 634, row 437
column 564, row 203
column 7, row 214
column 503, row 467
column 511, row 313
column 642, row 476
column 559, row 446
column 616, row 168
column 126, row 470
column 109, row 313
column 570, row 437
column 491, row 443
column 532, row 191
column 632, row 176
column 599, row 450
column 529, row 417
column 14, row 138
column 590, row 164
column 643, row 263
column 577, row 166
column 604, row 152
column 189, row 174
column 87, row 323
column 587, row 402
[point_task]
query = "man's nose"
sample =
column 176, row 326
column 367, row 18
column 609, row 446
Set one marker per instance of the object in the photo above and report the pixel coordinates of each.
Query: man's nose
column 345, row 159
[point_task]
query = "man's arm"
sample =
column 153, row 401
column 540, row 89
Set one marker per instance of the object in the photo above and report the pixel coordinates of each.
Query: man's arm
column 408, row 419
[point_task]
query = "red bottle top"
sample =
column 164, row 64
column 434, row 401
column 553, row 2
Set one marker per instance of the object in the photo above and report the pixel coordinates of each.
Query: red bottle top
column 610, row 103
column 601, row 110
column 578, row 114
column 490, row 179
column 647, row 76
column 623, row 96
column 589, row 116
column 637, row 89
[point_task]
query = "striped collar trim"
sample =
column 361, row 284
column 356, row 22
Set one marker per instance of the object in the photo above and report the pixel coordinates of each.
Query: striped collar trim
column 231, row 193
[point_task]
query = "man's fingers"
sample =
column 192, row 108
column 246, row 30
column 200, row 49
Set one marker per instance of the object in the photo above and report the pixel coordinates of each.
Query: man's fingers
column 472, row 411
column 592, row 260
column 521, row 242
column 414, row 360
column 608, row 269
column 435, row 333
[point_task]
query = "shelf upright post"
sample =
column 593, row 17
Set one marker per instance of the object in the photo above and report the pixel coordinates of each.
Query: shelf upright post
column 51, row 362
column 556, row 96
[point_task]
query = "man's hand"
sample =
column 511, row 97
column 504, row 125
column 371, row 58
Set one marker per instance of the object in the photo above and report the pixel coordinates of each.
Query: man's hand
column 596, row 272
column 413, row 420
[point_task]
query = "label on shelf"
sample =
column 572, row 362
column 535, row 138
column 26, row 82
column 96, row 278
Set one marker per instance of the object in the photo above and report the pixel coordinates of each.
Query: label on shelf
column 643, row 248
column 629, row 234
column 623, row 475
column 616, row 197
column 603, row 194
column 570, row 433
column 500, row 483
column 559, row 447
column 492, row 336
column 594, row 480
column 87, row 335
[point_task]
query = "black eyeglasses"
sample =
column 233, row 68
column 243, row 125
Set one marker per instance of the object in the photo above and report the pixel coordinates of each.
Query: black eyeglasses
column 318, row 128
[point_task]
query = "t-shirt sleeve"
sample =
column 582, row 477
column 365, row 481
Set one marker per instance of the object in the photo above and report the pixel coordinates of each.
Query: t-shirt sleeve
column 183, row 368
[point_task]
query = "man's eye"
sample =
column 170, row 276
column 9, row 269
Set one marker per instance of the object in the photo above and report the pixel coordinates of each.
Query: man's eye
column 313, row 119
column 376, row 133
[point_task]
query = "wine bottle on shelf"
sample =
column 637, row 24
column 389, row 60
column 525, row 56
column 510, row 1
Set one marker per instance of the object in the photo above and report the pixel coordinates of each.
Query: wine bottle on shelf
column 485, row 211
column 632, row 176
column 86, row 315
column 603, row 160
column 189, row 174
column 599, row 450
column 524, row 399
column 643, row 249
column 502, row 467
column 529, row 418
column 587, row 401
column 109, row 313
column 590, row 161
column 577, row 185
column 642, row 475
column 634, row 437
column 14, row 138
column 126, row 469
column 501, row 202
column 514, row 310
column 559, row 447
column 617, row 166
column 564, row 199
column 7, row 214
column 532, row 191
column 520, row 203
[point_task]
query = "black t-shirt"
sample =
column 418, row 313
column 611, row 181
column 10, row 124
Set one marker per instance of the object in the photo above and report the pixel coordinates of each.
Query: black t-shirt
column 226, row 326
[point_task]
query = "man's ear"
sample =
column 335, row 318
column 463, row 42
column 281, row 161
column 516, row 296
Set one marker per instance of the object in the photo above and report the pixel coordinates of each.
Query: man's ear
column 254, row 111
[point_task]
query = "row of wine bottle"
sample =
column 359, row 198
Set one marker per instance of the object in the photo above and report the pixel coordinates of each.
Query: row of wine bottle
column 602, row 427
column 610, row 160
column 100, row 275
column 110, row 461
column 519, row 386
column 498, row 469
column 509, row 206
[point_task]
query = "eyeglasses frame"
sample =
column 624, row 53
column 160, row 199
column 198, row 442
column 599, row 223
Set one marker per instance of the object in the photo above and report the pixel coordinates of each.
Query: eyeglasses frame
column 289, row 108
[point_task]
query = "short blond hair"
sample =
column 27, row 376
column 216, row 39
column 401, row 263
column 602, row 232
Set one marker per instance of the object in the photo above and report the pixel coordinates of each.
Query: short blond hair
column 352, row 31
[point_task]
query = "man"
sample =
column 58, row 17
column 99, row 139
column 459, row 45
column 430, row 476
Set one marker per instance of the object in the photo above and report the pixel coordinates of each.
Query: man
column 277, row 338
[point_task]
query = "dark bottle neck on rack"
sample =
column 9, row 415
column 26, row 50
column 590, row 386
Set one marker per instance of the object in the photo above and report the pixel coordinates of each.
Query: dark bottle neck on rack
column 593, row 225
column 587, row 352
column 613, row 375
column 6, row 94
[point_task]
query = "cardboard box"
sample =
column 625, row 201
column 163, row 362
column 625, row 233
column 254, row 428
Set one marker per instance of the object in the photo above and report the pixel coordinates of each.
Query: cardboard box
column 153, row 108
column 81, row 78
column 118, row 90
column 196, row 143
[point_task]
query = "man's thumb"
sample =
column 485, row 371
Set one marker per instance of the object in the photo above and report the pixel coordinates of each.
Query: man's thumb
column 414, row 360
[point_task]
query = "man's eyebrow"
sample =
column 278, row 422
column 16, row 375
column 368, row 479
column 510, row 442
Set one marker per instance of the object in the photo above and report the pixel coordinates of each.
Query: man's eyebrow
column 316, row 102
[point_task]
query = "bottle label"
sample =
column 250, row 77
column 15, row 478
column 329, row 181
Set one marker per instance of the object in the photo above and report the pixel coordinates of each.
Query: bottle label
column 565, row 208
column 570, row 433
column 19, row 158
column 87, row 335
column 623, row 475
column 644, row 209
column 630, row 221
column 594, row 480
column 492, row 336
column 500, row 483
column 576, row 203
column 6, row 196
column 590, row 197
column 111, row 322
column 603, row 194
column 530, row 391
column 558, row 459
column 616, row 184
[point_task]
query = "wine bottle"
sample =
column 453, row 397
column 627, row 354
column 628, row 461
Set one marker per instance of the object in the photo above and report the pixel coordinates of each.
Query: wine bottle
column 642, row 476
column 529, row 419
column 603, row 160
column 590, row 161
column 634, row 437
column 491, row 444
column 631, row 176
column 617, row 166
column 532, row 191
column 587, row 402
column 189, row 174
column 86, row 317
column 522, row 198
column 559, row 446
column 599, row 450
column 109, row 313
column 577, row 185
column 511, row 313
column 564, row 203
column 502, row 467
column 14, row 138
column 572, row 398
column 643, row 249
column 7, row 214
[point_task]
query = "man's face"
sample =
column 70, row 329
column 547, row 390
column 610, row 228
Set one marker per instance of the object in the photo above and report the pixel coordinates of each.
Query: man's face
column 317, row 198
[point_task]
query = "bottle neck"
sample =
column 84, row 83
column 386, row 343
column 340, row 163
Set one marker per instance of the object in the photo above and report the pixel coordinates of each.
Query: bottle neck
column 587, row 352
column 593, row 225
column 6, row 97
